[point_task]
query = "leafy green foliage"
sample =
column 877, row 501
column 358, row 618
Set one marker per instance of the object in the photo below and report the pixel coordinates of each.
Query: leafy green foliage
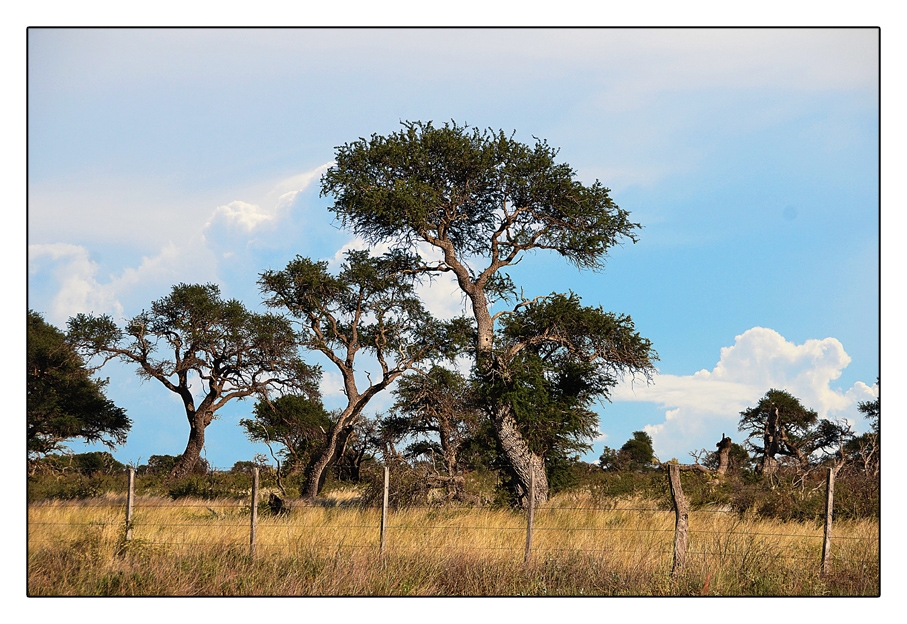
column 635, row 454
column 298, row 424
column 162, row 465
column 784, row 427
column 63, row 401
column 872, row 410
column 609, row 459
column 452, row 182
column 557, row 359
column 88, row 464
column 550, row 402
column 482, row 200
column 865, row 450
column 211, row 486
column 559, row 327
column 371, row 304
column 638, row 450
column 437, row 411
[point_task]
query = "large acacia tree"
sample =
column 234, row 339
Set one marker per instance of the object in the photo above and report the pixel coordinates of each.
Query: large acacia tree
column 205, row 349
column 369, row 307
column 482, row 200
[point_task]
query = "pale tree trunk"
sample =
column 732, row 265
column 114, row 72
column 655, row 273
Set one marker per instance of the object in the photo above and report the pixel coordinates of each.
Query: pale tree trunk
column 340, row 432
column 770, row 444
column 449, row 450
column 768, row 465
column 520, row 457
column 522, row 460
column 724, row 448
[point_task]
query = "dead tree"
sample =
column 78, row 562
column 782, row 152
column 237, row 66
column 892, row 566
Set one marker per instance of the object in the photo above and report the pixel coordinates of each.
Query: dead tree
column 724, row 449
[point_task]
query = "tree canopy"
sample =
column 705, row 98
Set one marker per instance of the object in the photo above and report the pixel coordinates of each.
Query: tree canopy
column 635, row 454
column 194, row 333
column 63, row 400
column 560, row 358
column 437, row 413
column 778, row 425
column 638, row 450
column 474, row 192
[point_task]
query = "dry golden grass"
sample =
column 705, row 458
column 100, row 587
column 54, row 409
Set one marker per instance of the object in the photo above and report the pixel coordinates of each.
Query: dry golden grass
column 195, row 547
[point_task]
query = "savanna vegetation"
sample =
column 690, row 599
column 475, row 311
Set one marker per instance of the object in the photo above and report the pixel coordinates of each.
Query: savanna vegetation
column 608, row 537
column 468, row 452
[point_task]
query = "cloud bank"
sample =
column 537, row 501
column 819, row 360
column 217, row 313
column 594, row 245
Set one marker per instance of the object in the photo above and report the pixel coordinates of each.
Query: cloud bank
column 709, row 402
column 79, row 287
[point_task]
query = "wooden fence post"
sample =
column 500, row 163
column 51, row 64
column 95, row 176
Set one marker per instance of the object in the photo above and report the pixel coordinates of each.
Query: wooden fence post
column 254, row 511
column 530, row 518
column 829, row 506
column 681, row 524
column 130, row 502
column 384, row 510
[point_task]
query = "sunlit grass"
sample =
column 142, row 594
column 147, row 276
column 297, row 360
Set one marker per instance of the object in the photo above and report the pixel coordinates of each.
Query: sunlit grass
column 580, row 547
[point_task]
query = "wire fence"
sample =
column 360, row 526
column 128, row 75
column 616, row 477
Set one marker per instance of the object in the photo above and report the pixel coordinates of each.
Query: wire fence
column 677, row 535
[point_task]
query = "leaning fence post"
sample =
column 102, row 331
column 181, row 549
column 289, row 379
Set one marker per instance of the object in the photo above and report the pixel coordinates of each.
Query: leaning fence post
column 130, row 501
column 384, row 510
column 682, row 513
column 254, row 511
column 829, row 505
column 530, row 517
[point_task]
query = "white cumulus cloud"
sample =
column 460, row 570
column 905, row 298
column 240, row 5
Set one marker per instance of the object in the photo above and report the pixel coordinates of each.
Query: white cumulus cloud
column 76, row 275
column 709, row 402
column 78, row 289
column 280, row 199
column 331, row 385
column 246, row 215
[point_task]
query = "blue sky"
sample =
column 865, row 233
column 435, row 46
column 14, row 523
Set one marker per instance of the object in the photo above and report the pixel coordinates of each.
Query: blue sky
column 750, row 157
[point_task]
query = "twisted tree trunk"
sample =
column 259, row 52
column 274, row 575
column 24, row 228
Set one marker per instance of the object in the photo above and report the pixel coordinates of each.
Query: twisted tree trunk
column 332, row 450
column 198, row 421
column 522, row 460
column 517, row 452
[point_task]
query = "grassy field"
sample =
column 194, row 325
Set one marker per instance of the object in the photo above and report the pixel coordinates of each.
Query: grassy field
column 201, row 547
